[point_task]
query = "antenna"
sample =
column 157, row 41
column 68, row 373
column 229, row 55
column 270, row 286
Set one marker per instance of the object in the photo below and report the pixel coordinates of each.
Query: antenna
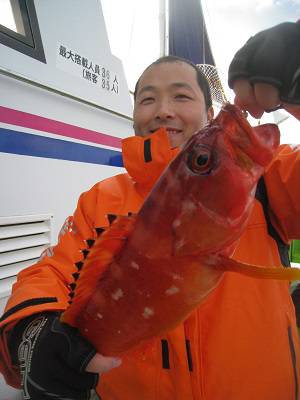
column 164, row 27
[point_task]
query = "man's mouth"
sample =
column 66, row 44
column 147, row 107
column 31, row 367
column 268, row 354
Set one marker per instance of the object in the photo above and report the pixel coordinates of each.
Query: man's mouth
column 171, row 131
column 175, row 135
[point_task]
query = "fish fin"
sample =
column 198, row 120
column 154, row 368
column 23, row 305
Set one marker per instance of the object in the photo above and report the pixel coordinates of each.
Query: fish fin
column 255, row 271
column 100, row 256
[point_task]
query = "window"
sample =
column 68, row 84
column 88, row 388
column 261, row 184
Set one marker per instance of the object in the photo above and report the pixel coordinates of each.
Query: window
column 19, row 28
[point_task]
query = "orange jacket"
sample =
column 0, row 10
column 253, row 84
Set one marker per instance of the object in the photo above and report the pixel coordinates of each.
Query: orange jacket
column 240, row 344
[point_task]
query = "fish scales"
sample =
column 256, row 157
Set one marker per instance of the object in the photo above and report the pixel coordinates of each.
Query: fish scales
column 147, row 272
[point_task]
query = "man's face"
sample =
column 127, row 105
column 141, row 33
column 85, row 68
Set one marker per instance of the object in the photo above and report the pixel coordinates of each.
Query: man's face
column 169, row 96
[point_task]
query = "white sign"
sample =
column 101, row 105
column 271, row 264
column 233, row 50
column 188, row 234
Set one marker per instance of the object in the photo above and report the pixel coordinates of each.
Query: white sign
column 85, row 68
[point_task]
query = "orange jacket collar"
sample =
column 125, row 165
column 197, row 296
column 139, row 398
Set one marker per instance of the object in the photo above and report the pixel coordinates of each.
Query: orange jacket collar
column 145, row 158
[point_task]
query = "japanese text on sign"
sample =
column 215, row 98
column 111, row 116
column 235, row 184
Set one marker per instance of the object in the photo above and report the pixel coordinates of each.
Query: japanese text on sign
column 92, row 72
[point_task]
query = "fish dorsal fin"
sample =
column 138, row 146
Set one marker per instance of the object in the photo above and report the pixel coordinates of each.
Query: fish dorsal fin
column 98, row 259
column 260, row 272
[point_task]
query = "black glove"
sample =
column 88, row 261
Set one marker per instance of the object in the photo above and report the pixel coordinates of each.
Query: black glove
column 52, row 357
column 271, row 56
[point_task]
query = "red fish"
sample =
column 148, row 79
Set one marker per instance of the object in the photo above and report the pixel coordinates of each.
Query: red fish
column 146, row 273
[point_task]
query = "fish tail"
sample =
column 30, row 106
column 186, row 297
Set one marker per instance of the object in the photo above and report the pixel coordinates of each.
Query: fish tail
column 254, row 271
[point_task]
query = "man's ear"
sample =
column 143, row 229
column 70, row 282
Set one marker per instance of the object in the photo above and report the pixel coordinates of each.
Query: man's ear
column 210, row 113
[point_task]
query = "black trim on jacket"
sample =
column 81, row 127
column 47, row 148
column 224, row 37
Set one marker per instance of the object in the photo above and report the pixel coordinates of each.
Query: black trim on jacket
column 262, row 196
column 28, row 303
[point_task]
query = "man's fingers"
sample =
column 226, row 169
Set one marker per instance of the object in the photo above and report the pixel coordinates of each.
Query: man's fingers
column 100, row 364
column 245, row 98
column 243, row 91
column 257, row 98
column 253, row 109
column 266, row 96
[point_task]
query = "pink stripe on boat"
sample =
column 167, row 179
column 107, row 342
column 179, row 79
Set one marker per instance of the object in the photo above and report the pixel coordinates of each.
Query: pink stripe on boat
column 20, row 118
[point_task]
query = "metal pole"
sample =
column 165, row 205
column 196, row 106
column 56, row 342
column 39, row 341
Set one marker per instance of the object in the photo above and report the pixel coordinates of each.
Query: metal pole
column 164, row 27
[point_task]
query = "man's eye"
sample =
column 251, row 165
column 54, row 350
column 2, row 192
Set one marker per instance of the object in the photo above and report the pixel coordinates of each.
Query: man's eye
column 147, row 100
column 182, row 96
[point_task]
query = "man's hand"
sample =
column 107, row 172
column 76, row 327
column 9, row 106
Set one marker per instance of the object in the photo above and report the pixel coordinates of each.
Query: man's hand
column 260, row 97
column 100, row 364
column 54, row 360
column 265, row 72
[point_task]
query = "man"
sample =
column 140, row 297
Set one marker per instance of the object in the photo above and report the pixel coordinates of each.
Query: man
column 170, row 95
column 241, row 343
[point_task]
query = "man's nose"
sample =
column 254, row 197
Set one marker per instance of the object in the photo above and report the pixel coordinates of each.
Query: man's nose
column 165, row 110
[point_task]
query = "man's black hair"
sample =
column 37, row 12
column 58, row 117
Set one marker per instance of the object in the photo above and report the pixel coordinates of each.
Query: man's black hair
column 201, row 79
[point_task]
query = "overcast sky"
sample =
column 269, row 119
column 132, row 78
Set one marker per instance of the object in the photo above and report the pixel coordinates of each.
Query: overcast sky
column 232, row 22
column 133, row 28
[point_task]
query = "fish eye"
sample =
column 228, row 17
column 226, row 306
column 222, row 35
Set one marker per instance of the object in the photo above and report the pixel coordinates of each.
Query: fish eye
column 200, row 160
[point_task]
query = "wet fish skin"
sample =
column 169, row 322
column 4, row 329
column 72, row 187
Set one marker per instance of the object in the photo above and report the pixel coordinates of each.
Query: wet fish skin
column 146, row 273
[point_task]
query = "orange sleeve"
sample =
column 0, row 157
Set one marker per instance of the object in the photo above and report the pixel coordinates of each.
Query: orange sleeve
column 44, row 286
column 283, row 185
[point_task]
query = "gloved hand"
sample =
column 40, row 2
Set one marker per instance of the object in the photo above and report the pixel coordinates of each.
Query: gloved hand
column 52, row 357
column 271, row 57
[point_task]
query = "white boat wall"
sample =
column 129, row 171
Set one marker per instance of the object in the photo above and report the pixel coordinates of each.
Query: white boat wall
column 64, row 108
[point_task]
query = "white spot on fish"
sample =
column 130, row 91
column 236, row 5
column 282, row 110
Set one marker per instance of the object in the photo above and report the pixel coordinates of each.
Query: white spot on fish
column 86, row 330
column 119, row 332
column 188, row 206
column 176, row 223
column 100, row 316
column 134, row 265
column 212, row 259
column 172, row 290
column 148, row 312
column 117, row 294
column 177, row 277
column 179, row 244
